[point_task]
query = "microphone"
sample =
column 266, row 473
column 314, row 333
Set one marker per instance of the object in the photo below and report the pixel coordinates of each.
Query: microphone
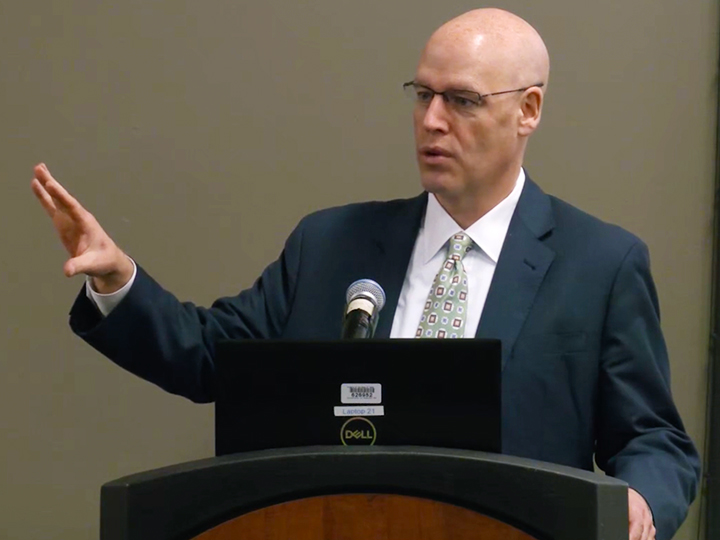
column 365, row 299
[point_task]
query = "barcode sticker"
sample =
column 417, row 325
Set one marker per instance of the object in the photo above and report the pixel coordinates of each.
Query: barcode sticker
column 361, row 393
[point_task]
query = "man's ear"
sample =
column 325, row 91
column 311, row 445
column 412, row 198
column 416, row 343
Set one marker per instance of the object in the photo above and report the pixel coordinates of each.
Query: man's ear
column 530, row 111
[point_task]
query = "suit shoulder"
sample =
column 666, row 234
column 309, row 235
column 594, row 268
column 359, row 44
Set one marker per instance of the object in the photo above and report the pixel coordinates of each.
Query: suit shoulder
column 360, row 212
column 577, row 228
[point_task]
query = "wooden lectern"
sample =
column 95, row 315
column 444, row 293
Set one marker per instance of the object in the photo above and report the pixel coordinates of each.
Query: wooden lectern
column 364, row 493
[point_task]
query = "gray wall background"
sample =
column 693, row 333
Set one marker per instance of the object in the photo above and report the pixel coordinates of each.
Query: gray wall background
column 199, row 133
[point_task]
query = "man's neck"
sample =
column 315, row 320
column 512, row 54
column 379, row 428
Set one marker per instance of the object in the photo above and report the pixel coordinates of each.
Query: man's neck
column 468, row 208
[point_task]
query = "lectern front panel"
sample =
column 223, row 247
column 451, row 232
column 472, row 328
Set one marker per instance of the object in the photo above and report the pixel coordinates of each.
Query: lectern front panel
column 363, row 517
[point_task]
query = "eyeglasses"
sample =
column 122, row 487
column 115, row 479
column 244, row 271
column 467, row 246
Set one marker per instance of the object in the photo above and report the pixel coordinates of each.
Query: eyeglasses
column 459, row 100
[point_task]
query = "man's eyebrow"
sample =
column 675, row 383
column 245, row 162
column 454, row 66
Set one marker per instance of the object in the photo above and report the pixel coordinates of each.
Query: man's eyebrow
column 456, row 88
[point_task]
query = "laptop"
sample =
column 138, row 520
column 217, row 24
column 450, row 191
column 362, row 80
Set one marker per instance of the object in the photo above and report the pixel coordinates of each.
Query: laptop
column 276, row 394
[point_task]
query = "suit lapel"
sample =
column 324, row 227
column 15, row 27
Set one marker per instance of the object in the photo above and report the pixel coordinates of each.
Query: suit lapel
column 520, row 270
column 394, row 238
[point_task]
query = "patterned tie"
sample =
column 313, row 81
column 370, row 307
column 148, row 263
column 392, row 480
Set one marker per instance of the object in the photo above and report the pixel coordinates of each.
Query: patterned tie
column 444, row 314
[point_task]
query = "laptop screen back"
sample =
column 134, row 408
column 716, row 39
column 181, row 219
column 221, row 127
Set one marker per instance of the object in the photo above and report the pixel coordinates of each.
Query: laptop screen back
column 275, row 394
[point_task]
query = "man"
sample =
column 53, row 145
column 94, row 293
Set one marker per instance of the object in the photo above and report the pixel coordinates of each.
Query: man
column 585, row 370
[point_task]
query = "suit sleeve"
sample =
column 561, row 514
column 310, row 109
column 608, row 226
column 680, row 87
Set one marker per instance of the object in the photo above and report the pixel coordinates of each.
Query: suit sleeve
column 640, row 436
column 171, row 343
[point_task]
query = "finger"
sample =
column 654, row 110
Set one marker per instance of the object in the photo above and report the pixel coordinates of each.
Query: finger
column 648, row 529
column 636, row 530
column 42, row 173
column 40, row 168
column 59, row 194
column 43, row 196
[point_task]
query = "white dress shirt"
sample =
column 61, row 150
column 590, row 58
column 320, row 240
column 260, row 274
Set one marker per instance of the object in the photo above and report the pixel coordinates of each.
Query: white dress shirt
column 107, row 302
column 488, row 234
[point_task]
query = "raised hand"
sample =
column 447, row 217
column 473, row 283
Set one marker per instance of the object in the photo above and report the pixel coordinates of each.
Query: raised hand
column 91, row 250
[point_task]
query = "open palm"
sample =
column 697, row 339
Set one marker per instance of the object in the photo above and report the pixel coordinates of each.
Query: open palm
column 91, row 250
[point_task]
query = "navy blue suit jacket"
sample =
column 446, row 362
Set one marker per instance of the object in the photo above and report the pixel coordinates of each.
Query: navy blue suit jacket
column 585, row 368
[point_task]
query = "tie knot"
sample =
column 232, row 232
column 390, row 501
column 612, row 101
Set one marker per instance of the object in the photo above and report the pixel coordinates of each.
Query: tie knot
column 460, row 244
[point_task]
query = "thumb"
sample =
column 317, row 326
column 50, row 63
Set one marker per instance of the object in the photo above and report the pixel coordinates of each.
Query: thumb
column 82, row 264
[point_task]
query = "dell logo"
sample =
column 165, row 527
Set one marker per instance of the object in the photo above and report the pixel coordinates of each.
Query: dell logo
column 358, row 430
column 359, row 434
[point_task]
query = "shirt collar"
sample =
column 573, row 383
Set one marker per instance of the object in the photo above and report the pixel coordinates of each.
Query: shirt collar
column 488, row 232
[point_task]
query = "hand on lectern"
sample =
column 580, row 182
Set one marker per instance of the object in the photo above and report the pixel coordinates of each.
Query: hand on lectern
column 641, row 518
column 91, row 250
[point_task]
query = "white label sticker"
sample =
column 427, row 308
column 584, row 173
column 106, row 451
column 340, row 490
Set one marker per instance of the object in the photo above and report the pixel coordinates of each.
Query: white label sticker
column 361, row 393
column 360, row 410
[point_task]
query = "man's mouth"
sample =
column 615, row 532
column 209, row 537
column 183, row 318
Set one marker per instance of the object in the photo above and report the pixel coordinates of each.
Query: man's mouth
column 434, row 151
column 434, row 154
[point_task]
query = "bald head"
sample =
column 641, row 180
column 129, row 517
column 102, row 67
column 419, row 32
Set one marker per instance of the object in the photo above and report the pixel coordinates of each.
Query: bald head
column 470, row 152
column 500, row 47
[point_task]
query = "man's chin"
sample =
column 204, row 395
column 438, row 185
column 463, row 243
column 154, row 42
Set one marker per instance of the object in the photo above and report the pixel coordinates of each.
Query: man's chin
column 437, row 183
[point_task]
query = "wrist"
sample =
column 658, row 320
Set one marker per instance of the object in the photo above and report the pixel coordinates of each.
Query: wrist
column 115, row 280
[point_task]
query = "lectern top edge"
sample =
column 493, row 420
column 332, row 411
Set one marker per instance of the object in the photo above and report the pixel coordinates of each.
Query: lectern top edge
column 328, row 452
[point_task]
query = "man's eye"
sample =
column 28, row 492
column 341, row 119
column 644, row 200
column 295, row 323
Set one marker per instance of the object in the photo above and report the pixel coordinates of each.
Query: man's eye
column 463, row 102
column 424, row 96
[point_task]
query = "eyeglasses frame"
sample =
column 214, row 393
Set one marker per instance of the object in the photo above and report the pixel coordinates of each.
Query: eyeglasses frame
column 479, row 95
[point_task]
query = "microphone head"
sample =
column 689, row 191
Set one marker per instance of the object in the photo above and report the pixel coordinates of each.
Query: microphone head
column 366, row 288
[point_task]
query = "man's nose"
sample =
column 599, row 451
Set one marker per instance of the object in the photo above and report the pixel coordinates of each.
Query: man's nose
column 435, row 118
